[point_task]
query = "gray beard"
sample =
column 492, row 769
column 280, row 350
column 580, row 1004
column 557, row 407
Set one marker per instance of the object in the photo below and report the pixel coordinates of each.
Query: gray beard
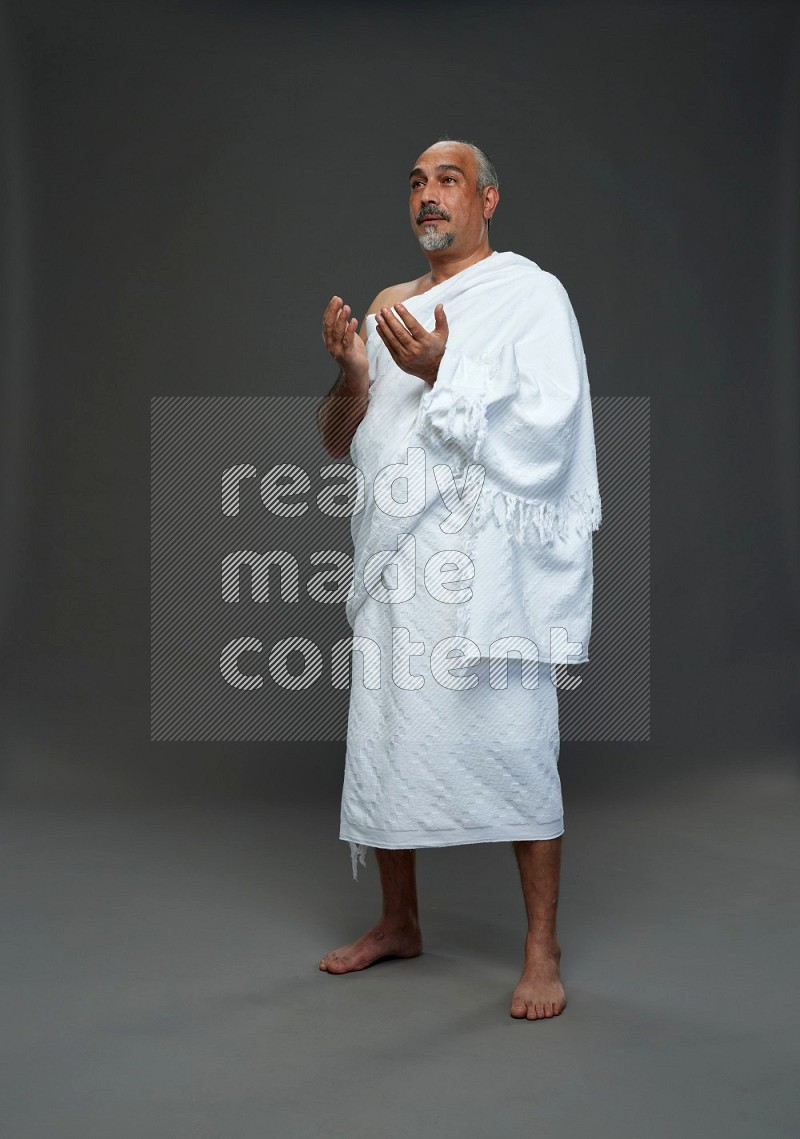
column 432, row 239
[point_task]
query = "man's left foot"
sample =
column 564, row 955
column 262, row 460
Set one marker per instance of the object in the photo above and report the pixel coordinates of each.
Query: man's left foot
column 539, row 993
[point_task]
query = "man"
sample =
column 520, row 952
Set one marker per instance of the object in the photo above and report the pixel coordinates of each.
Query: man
column 521, row 412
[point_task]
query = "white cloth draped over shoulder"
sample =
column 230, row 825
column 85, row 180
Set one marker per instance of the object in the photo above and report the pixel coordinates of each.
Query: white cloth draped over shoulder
column 511, row 403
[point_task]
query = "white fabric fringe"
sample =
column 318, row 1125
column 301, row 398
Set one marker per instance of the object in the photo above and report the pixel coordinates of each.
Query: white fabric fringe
column 358, row 853
column 475, row 423
column 520, row 516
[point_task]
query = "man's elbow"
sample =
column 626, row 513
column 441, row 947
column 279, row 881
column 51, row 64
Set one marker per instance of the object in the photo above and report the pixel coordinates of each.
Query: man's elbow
column 336, row 452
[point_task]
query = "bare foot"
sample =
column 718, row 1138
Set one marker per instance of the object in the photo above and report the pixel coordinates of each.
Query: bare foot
column 539, row 993
column 379, row 942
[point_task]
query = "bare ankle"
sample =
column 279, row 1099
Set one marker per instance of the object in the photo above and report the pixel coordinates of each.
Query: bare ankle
column 542, row 944
column 400, row 920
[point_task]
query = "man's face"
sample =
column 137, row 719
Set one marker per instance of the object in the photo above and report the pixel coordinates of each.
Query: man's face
column 445, row 207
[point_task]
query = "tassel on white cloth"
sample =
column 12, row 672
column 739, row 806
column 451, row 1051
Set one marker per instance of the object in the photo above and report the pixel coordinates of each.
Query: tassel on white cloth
column 466, row 422
column 358, row 853
column 521, row 516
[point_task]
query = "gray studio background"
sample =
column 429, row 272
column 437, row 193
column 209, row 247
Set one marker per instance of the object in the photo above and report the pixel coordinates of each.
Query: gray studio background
column 185, row 186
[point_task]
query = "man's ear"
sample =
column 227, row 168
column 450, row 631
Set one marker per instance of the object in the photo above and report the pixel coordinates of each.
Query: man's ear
column 492, row 199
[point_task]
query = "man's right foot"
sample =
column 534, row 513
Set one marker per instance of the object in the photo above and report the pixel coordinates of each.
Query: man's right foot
column 379, row 942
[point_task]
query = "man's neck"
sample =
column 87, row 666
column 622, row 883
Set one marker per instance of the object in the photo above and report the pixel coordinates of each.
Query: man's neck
column 444, row 267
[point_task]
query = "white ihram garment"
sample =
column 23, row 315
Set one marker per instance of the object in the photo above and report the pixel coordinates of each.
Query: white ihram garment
column 480, row 499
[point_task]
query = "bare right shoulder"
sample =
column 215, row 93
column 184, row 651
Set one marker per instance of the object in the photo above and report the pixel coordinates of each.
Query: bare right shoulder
column 389, row 296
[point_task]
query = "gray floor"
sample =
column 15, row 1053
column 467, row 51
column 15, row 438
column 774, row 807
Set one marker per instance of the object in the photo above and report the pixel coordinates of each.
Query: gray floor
column 159, row 971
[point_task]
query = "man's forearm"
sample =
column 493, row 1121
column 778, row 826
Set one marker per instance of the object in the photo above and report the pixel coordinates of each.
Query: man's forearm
column 342, row 410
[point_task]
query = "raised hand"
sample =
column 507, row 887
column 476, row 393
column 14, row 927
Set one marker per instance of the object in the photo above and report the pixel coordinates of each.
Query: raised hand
column 412, row 348
column 339, row 337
